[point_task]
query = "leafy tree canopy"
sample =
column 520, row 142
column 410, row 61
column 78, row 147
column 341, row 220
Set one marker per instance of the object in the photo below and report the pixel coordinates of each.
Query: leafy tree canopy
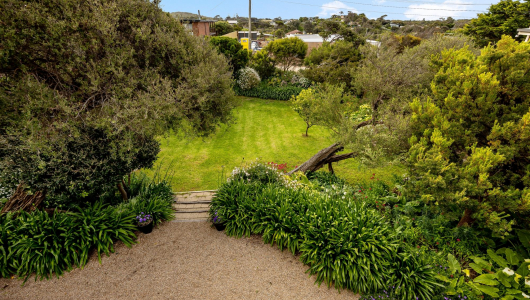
column 114, row 73
column 222, row 28
column 233, row 50
column 503, row 18
column 287, row 52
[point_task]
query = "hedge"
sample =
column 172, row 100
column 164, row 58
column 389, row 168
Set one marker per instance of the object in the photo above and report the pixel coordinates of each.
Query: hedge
column 265, row 91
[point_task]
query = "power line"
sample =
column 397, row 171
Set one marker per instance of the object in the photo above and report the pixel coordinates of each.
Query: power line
column 411, row 7
column 441, row 9
column 371, row 11
column 423, row 2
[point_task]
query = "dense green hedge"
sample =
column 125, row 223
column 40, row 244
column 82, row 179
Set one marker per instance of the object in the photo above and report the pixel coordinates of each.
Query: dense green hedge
column 344, row 242
column 265, row 91
column 43, row 244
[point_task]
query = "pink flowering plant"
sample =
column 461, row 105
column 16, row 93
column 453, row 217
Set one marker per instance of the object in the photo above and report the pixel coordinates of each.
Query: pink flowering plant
column 144, row 219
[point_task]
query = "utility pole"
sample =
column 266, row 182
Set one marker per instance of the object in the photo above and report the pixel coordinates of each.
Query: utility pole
column 249, row 23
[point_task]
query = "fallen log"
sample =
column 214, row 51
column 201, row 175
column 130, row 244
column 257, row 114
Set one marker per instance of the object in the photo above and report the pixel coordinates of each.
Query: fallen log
column 323, row 157
column 21, row 200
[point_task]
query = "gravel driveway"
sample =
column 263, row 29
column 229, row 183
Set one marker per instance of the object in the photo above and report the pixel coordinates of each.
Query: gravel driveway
column 183, row 261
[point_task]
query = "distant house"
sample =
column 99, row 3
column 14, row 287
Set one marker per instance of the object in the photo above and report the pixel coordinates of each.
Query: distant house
column 294, row 32
column 375, row 43
column 314, row 41
column 232, row 22
column 394, row 25
column 524, row 31
column 242, row 34
column 199, row 27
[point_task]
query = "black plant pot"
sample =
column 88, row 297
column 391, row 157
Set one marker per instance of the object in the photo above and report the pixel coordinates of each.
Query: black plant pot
column 147, row 228
column 219, row 226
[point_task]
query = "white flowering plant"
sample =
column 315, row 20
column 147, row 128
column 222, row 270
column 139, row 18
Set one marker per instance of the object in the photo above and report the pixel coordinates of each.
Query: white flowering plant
column 502, row 274
column 248, row 78
column 270, row 172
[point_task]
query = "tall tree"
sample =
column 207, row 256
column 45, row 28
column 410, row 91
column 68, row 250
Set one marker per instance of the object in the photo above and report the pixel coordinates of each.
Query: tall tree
column 85, row 88
column 503, row 18
column 471, row 141
column 287, row 52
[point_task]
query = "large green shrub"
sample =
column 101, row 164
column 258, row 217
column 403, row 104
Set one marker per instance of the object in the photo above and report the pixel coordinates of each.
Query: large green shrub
column 77, row 77
column 233, row 50
column 469, row 153
column 263, row 63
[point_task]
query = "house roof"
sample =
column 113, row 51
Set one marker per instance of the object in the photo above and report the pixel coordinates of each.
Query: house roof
column 312, row 38
column 523, row 30
column 196, row 21
column 295, row 32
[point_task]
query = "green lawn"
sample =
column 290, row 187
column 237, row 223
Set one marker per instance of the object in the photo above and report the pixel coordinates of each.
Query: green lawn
column 267, row 130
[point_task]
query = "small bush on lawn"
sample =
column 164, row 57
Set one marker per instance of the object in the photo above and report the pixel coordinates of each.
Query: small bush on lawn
column 265, row 91
column 343, row 240
column 45, row 244
column 248, row 78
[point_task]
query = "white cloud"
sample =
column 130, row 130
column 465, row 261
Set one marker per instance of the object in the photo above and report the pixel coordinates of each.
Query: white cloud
column 333, row 8
column 418, row 11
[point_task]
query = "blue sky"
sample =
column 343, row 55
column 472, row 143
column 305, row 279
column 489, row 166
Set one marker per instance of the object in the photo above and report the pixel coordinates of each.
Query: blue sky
column 287, row 9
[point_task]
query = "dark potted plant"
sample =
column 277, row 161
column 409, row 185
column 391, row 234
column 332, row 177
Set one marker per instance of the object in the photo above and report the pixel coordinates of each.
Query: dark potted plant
column 145, row 222
column 218, row 223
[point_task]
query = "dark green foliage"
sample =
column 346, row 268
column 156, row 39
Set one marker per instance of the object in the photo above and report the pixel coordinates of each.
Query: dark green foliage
column 265, row 91
column 222, row 28
column 502, row 18
column 333, row 63
column 73, row 182
column 86, row 86
column 233, row 50
column 263, row 64
column 43, row 244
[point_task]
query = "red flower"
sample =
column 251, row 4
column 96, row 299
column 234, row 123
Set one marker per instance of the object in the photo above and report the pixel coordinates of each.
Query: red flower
column 458, row 240
column 437, row 243
column 418, row 246
column 396, row 205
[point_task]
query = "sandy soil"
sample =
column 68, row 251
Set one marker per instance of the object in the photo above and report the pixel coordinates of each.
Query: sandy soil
column 183, row 261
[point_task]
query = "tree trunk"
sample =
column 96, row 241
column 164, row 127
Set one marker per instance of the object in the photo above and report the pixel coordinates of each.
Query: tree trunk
column 122, row 192
column 323, row 157
column 466, row 219
column 22, row 201
column 330, row 168
column 306, row 130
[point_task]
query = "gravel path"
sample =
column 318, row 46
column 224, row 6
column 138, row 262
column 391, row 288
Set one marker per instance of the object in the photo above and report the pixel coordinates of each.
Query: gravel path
column 183, row 261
